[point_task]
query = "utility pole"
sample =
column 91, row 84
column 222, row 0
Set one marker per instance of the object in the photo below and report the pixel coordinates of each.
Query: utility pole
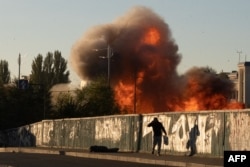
column 109, row 56
column 135, row 80
column 239, row 52
column 19, row 69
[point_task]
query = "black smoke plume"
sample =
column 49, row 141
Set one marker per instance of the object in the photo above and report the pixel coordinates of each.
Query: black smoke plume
column 145, row 59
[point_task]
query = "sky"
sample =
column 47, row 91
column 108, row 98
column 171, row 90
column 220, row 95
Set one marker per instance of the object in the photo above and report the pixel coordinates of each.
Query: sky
column 214, row 33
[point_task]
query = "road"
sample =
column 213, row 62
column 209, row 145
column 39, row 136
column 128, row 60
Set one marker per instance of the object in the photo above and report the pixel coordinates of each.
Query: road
column 45, row 160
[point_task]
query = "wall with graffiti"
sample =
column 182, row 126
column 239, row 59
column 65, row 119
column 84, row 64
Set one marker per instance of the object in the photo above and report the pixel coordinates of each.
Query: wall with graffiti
column 218, row 131
column 178, row 127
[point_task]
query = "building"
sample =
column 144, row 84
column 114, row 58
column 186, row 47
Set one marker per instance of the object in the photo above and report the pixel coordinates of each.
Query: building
column 244, row 83
column 241, row 80
column 233, row 76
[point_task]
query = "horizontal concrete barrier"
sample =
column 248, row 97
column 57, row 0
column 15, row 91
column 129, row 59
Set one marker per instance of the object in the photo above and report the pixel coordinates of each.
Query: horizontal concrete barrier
column 218, row 131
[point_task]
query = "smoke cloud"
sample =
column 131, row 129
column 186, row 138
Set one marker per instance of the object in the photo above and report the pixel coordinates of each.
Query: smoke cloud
column 143, row 65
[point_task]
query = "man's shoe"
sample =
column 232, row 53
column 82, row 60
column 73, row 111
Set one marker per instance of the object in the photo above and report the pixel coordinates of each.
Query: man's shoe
column 191, row 154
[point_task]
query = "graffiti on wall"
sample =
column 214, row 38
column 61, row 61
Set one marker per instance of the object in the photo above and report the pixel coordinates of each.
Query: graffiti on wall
column 178, row 127
column 48, row 132
column 238, row 124
column 75, row 132
column 21, row 136
column 36, row 130
column 218, row 131
column 26, row 138
column 108, row 129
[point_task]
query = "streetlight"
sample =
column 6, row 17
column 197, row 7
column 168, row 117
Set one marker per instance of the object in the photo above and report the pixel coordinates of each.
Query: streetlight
column 109, row 55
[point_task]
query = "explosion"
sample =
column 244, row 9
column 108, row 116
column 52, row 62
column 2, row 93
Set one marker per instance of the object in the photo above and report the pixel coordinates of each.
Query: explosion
column 143, row 67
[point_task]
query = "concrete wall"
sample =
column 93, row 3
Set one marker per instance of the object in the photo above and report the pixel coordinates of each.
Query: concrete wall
column 114, row 131
column 178, row 126
column 219, row 131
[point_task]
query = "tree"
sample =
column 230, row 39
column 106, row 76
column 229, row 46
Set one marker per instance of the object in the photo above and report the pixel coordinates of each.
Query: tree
column 37, row 72
column 49, row 71
column 97, row 99
column 60, row 67
column 4, row 72
column 65, row 107
column 19, row 107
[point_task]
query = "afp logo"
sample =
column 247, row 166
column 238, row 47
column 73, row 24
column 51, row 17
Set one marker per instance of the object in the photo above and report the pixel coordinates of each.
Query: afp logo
column 236, row 158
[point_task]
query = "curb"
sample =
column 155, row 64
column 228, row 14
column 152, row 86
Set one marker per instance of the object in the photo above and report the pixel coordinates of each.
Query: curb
column 104, row 156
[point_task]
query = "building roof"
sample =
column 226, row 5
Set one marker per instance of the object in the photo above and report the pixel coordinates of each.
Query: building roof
column 246, row 63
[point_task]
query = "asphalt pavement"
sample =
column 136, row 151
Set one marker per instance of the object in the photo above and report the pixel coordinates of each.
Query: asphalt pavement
column 165, row 159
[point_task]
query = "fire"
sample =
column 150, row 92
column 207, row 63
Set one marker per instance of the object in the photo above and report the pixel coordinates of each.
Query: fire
column 144, row 72
column 128, row 95
column 202, row 102
column 191, row 105
column 124, row 95
column 151, row 37
column 201, row 93
column 234, row 105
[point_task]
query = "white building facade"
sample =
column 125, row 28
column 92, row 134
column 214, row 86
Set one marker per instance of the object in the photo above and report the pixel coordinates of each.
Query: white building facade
column 244, row 83
column 241, row 80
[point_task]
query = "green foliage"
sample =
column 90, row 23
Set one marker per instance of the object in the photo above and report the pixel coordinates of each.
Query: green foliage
column 37, row 75
column 65, row 106
column 95, row 99
column 49, row 71
column 98, row 98
column 59, row 68
column 4, row 72
column 20, row 107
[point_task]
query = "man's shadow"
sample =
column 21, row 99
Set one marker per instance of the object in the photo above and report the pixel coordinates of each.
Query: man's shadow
column 194, row 132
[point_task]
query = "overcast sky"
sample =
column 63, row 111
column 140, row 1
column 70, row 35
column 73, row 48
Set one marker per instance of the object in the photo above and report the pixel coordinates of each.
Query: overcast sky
column 208, row 33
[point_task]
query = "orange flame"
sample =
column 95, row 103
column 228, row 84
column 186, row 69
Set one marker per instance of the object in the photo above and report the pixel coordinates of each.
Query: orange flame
column 124, row 95
column 151, row 37
column 144, row 73
column 199, row 98
column 194, row 97
column 234, row 105
column 191, row 105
